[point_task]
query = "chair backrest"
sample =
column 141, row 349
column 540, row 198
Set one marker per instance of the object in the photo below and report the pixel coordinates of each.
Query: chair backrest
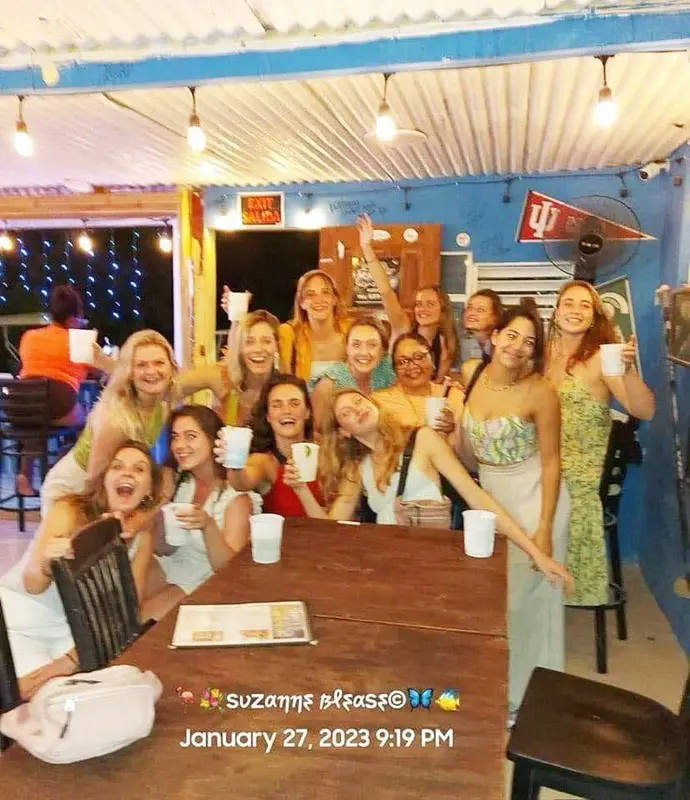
column 9, row 689
column 24, row 407
column 684, row 715
column 623, row 449
column 99, row 594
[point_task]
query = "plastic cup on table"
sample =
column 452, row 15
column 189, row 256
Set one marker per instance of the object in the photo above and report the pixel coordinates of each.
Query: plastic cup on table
column 479, row 533
column 238, row 305
column 612, row 360
column 237, row 444
column 81, row 344
column 433, row 407
column 306, row 458
column 174, row 534
column 266, row 533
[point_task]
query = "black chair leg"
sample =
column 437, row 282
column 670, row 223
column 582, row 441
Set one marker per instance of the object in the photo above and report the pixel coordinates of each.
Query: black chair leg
column 617, row 573
column 600, row 636
column 524, row 786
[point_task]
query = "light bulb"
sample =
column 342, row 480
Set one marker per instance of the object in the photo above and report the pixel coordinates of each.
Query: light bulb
column 165, row 244
column 196, row 138
column 23, row 143
column 85, row 243
column 385, row 124
column 605, row 111
column 6, row 242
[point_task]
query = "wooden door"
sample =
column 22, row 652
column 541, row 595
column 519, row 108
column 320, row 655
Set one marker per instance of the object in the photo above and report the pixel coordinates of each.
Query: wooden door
column 418, row 261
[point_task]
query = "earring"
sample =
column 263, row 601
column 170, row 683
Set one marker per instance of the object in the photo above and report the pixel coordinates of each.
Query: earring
column 146, row 502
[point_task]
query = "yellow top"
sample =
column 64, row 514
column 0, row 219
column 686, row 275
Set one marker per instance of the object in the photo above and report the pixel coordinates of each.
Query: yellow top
column 409, row 410
column 295, row 347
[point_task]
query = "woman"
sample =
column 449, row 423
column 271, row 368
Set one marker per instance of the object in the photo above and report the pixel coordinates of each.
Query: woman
column 367, row 366
column 314, row 339
column 433, row 312
column 40, row 637
column 512, row 421
column 480, row 318
column 362, row 450
column 405, row 401
column 134, row 406
column 283, row 417
column 579, row 327
column 217, row 527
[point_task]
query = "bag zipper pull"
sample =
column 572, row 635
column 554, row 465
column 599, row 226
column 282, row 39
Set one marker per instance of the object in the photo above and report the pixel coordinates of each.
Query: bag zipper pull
column 70, row 705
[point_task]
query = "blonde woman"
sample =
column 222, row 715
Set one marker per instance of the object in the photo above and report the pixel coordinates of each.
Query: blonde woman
column 314, row 339
column 134, row 406
column 433, row 312
column 579, row 327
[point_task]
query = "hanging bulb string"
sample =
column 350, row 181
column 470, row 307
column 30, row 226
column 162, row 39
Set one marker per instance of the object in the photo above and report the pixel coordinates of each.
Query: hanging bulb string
column 23, row 266
column 135, row 281
column 113, row 270
column 47, row 272
column 3, row 279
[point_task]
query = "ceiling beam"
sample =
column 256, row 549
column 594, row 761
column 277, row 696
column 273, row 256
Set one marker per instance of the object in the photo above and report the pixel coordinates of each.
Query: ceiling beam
column 548, row 38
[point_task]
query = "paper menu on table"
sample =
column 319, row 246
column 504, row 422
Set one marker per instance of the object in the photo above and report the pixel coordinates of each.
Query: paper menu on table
column 241, row 624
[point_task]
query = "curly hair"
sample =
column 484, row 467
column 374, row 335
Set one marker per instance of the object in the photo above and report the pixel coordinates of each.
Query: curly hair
column 340, row 456
column 264, row 440
column 601, row 331
column 446, row 325
column 237, row 369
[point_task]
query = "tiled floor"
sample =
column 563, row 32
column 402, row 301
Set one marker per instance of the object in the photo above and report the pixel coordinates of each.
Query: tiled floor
column 651, row 662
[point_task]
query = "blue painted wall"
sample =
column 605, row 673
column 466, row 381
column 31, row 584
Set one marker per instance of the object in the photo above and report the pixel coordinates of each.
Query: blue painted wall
column 475, row 206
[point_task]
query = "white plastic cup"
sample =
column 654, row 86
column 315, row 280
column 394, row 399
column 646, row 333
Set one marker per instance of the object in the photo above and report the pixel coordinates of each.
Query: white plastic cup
column 81, row 344
column 238, row 305
column 237, row 444
column 306, row 458
column 433, row 406
column 612, row 360
column 479, row 533
column 174, row 534
column 266, row 533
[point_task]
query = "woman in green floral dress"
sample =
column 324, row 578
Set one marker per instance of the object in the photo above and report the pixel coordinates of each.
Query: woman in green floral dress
column 579, row 327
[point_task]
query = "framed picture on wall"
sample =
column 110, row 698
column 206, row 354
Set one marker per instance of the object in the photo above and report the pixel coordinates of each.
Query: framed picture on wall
column 364, row 292
column 617, row 300
column 679, row 339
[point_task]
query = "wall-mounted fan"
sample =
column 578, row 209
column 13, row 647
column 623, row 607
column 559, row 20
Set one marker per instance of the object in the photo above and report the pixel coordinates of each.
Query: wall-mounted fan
column 603, row 236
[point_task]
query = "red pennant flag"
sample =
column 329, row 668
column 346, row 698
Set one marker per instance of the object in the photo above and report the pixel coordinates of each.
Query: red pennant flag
column 544, row 218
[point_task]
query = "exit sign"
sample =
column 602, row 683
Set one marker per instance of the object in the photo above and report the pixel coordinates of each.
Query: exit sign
column 262, row 210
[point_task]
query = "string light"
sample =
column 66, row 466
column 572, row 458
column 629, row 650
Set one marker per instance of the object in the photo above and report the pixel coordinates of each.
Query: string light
column 113, row 271
column 23, row 143
column 135, row 280
column 66, row 260
column 196, row 138
column 3, row 279
column 23, row 266
column 86, row 244
column 47, row 272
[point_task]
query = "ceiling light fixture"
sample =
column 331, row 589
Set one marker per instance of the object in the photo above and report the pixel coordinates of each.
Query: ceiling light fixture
column 6, row 242
column 23, row 143
column 85, row 242
column 605, row 111
column 385, row 124
column 196, row 137
column 165, row 242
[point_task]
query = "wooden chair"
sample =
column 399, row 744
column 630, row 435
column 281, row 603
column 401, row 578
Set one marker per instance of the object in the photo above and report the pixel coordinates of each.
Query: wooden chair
column 623, row 449
column 598, row 742
column 99, row 594
column 26, row 430
column 9, row 688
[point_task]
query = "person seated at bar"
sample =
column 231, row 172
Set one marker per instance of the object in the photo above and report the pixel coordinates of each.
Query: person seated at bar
column 480, row 317
column 406, row 400
column 367, row 367
column 283, row 417
column 134, row 406
column 40, row 637
column 314, row 339
column 44, row 353
column 433, row 311
column 193, row 542
column 362, row 450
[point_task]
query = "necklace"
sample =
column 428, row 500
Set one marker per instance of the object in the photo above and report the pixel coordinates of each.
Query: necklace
column 494, row 388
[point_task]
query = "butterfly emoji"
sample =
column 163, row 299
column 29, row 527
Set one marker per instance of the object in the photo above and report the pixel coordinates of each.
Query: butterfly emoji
column 420, row 698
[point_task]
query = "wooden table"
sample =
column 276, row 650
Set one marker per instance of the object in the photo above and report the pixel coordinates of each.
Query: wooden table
column 355, row 655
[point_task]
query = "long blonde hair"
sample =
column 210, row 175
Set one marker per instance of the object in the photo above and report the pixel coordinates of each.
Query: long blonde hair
column 446, row 324
column 118, row 402
column 237, row 369
column 300, row 320
column 340, row 456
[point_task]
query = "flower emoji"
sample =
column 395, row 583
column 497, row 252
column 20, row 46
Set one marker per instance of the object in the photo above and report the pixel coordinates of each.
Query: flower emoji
column 212, row 699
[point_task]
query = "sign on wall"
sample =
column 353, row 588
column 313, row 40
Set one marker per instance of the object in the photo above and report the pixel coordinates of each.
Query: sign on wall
column 262, row 209
column 364, row 291
column 617, row 300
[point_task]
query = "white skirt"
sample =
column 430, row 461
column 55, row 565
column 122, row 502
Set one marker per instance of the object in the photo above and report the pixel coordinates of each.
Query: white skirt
column 536, row 616
column 64, row 478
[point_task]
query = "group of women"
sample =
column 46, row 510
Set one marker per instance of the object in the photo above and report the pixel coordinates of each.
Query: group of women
column 530, row 415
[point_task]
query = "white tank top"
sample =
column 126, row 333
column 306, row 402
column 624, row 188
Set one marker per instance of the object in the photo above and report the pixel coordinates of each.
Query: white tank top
column 418, row 487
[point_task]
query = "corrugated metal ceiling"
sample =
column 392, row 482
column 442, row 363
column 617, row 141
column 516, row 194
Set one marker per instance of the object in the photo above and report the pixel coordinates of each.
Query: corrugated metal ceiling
column 66, row 30
column 520, row 118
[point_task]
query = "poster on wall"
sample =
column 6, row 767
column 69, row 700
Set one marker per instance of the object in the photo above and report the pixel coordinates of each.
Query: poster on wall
column 262, row 209
column 364, row 291
column 679, row 340
column 617, row 300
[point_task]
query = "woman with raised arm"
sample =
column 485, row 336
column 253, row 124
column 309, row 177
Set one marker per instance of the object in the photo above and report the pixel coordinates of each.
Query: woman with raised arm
column 314, row 339
column 579, row 326
column 512, row 421
column 433, row 312
column 40, row 637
